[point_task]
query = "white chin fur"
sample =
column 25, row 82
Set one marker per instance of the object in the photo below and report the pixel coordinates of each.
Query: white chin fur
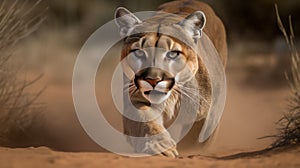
column 156, row 99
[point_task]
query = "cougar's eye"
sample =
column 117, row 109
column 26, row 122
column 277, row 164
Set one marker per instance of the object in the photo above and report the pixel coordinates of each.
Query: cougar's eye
column 139, row 53
column 173, row 54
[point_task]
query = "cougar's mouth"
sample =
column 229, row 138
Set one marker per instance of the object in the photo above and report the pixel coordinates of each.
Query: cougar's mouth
column 155, row 96
column 155, row 92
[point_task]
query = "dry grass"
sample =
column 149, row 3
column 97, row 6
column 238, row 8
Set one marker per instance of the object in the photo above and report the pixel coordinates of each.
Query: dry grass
column 289, row 124
column 17, row 107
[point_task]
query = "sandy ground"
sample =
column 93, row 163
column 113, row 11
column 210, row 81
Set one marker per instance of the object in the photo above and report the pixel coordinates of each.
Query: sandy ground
column 44, row 157
column 252, row 108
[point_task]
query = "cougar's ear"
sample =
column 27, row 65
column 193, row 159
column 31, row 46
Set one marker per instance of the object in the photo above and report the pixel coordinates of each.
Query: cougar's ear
column 194, row 24
column 125, row 20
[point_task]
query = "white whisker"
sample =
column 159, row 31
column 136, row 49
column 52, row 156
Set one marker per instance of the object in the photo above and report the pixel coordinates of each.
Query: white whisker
column 192, row 94
column 196, row 94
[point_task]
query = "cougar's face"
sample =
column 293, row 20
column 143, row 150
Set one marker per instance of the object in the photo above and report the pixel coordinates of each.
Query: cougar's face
column 156, row 64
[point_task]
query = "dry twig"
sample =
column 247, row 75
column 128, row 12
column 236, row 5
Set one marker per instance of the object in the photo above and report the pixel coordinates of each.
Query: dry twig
column 17, row 107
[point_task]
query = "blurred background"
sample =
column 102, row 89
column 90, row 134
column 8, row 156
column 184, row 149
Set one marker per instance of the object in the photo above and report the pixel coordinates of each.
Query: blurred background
column 254, row 24
column 258, row 60
column 244, row 21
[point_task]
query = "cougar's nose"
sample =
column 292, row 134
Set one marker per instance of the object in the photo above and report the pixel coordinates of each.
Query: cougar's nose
column 153, row 81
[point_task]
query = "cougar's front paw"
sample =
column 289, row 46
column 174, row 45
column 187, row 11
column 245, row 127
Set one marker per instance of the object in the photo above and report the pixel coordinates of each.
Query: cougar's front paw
column 165, row 146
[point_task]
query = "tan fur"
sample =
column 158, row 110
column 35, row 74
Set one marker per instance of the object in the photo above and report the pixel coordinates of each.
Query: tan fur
column 214, row 27
column 215, row 31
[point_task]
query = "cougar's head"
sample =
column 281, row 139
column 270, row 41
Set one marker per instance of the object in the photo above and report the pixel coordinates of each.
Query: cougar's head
column 155, row 62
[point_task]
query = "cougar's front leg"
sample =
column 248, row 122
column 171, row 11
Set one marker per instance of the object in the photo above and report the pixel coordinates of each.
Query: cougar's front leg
column 153, row 137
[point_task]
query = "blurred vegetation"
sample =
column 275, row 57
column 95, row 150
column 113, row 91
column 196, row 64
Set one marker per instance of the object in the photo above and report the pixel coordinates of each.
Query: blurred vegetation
column 18, row 108
column 256, row 19
column 244, row 20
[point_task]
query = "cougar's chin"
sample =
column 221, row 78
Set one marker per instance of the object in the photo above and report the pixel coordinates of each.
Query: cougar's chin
column 156, row 97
